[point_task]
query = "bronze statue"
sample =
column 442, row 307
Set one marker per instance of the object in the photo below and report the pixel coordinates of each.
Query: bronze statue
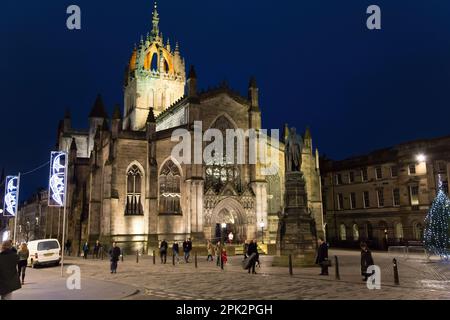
column 293, row 151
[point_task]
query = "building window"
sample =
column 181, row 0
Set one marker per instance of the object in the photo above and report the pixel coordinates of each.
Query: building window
column 364, row 176
column 396, row 197
column 394, row 172
column 169, row 189
column 380, row 197
column 414, row 195
column 340, row 201
column 343, row 232
column 412, row 169
column 338, row 179
column 220, row 172
column 352, row 200
column 366, row 199
column 351, row 177
column 418, row 231
column 442, row 167
column 445, row 186
column 399, row 231
column 378, row 173
column 355, row 232
column 134, row 182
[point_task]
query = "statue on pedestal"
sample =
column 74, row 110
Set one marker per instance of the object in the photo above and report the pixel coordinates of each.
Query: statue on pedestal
column 293, row 152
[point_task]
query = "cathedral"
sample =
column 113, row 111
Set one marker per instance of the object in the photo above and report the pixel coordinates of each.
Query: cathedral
column 124, row 184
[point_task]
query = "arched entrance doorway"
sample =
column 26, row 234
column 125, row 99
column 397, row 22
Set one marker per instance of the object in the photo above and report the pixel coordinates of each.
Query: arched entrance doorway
column 229, row 217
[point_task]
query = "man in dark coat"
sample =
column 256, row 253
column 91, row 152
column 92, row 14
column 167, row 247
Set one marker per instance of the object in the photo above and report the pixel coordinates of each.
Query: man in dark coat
column 85, row 250
column 9, row 279
column 252, row 253
column 114, row 254
column 163, row 251
column 366, row 260
column 322, row 256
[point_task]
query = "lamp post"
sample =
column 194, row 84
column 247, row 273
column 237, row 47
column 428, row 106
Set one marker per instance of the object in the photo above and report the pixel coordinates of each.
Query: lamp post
column 262, row 225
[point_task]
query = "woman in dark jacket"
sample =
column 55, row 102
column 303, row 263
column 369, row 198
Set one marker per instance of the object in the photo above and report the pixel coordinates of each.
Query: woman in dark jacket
column 322, row 256
column 366, row 260
column 9, row 279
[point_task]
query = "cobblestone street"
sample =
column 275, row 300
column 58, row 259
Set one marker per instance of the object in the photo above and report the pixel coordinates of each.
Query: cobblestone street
column 418, row 280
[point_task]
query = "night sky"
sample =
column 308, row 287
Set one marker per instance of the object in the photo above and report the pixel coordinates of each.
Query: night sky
column 315, row 61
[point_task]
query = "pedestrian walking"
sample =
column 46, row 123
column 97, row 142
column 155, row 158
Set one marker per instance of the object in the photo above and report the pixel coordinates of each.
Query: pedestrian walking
column 366, row 260
column 252, row 253
column 114, row 254
column 210, row 250
column 218, row 251
column 322, row 256
column 68, row 246
column 223, row 256
column 85, row 250
column 9, row 279
column 163, row 251
column 176, row 251
column 23, row 261
column 97, row 248
column 187, row 248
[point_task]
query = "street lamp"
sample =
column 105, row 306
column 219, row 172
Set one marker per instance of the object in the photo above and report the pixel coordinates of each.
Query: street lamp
column 421, row 158
column 262, row 225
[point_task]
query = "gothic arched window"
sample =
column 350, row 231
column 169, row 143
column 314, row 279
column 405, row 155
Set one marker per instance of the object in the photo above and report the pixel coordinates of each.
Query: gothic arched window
column 169, row 189
column 219, row 173
column 134, row 182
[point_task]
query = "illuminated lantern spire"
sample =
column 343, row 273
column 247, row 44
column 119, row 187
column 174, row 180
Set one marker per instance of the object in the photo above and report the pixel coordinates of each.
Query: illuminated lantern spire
column 155, row 22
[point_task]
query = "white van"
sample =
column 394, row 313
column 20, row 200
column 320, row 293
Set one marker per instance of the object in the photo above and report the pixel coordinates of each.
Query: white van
column 44, row 252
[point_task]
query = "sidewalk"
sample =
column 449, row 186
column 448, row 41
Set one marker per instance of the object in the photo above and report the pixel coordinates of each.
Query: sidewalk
column 47, row 284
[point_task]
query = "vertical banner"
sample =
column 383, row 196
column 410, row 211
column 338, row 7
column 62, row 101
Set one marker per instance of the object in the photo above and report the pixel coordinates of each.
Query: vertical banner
column 57, row 179
column 11, row 196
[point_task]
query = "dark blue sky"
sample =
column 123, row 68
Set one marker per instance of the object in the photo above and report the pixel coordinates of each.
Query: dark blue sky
column 315, row 61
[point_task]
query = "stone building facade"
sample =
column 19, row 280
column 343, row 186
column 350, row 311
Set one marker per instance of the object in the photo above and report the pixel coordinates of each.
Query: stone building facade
column 125, row 185
column 383, row 197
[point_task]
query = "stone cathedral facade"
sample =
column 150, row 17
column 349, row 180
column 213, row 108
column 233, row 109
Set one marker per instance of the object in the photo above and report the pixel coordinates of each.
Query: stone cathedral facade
column 125, row 186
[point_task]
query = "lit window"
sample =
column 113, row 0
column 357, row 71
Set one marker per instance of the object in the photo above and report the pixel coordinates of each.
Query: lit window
column 343, row 232
column 414, row 195
column 169, row 189
column 412, row 169
column 134, row 181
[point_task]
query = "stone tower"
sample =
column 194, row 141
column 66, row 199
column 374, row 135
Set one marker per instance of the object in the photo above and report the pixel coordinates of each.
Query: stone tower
column 154, row 78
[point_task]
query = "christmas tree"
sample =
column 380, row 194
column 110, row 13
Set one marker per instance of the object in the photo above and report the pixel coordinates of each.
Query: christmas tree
column 436, row 234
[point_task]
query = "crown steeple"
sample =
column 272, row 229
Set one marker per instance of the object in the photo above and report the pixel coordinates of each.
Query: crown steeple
column 155, row 22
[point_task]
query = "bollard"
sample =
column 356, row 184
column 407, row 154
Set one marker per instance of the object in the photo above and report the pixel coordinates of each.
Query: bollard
column 291, row 272
column 173, row 258
column 195, row 259
column 336, row 261
column 396, row 279
column 102, row 252
column 122, row 256
column 154, row 257
column 137, row 256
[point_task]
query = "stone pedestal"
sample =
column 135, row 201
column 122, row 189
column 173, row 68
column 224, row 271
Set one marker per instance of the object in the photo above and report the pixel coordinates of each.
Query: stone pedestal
column 296, row 234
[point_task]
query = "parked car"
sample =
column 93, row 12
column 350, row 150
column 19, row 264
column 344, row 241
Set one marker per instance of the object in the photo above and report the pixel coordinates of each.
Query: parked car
column 44, row 252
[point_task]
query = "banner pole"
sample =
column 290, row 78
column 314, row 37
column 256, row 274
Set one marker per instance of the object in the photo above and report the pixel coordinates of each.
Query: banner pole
column 17, row 210
column 64, row 214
